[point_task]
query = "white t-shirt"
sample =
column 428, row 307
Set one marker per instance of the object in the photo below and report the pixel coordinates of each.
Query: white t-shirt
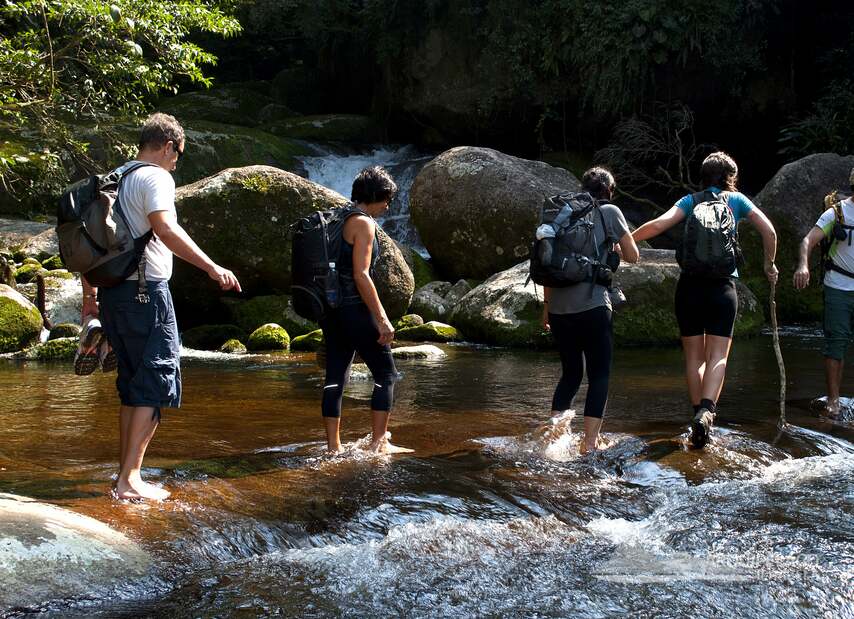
column 145, row 191
column 842, row 252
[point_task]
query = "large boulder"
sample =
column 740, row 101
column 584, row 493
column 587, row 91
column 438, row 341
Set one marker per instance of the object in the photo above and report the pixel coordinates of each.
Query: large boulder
column 63, row 296
column 650, row 286
column 504, row 311
column 233, row 104
column 30, row 237
column 793, row 199
column 20, row 320
column 241, row 218
column 328, row 128
column 252, row 313
column 48, row 553
column 476, row 208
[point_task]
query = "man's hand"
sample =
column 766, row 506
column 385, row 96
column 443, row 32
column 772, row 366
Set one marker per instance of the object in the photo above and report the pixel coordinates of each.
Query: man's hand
column 386, row 331
column 801, row 278
column 225, row 278
column 771, row 273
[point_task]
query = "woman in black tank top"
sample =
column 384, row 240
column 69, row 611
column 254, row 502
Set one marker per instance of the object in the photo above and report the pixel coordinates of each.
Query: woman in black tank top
column 360, row 324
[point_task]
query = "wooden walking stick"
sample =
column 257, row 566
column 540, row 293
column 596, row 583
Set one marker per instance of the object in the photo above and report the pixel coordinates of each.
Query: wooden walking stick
column 776, row 338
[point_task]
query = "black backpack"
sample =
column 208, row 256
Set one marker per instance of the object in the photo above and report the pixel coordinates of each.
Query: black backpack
column 93, row 233
column 315, row 249
column 709, row 246
column 565, row 250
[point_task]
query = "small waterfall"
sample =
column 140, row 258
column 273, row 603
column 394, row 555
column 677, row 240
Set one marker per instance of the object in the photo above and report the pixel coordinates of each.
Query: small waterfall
column 336, row 171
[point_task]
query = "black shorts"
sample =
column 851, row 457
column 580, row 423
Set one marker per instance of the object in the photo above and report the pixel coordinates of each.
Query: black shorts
column 706, row 306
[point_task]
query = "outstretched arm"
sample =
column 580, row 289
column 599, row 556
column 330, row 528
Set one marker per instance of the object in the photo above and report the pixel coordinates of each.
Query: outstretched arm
column 769, row 242
column 658, row 225
column 628, row 248
column 166, row 227
column 801, row 278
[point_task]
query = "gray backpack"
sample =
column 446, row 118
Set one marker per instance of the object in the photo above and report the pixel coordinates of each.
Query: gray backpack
column 566, row 250
column 94, row 236
column 709, row 246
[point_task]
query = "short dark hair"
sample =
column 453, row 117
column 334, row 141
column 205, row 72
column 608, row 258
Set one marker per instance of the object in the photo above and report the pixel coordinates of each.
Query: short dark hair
column 719, row 170
column 160, row 128
column 373, row 184
column 598, row 182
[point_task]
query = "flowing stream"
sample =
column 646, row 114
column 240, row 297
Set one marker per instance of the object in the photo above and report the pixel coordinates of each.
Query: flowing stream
column 336, row 171
column 495, row 514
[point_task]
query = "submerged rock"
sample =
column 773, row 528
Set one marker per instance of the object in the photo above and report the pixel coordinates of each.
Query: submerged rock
column 432, row 331
column 269, row 337
column 476, row 209
column 422, row 351
column 20, row 320
column 48, row 553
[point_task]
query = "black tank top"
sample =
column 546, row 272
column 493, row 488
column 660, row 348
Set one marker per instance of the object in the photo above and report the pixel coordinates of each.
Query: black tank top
column 349, row 293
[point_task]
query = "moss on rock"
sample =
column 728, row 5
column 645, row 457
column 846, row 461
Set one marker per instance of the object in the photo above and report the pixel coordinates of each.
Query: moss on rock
column 210, row 337
column 26, row 273
column 232, row 104
column 432, row 331
column 59, row 274
column 409, row 320
column 20, row 321
column 309, row 342
column 328, row 128
column 60, row 349
column 233, row 347
column 65, row 329
column 269, row 337
column 52, row 263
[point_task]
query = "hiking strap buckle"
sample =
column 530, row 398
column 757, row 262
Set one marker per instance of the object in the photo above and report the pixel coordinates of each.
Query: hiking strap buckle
column 141, row 285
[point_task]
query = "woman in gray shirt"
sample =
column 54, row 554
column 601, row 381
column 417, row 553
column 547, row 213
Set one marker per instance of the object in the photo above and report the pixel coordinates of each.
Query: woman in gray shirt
column 580, row 319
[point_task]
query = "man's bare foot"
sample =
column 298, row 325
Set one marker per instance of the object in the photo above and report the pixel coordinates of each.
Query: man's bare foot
column 140, row 490
column 333, row 450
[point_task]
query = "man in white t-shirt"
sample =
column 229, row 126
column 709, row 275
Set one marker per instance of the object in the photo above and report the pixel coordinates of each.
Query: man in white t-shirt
column 140, row 324
column 838, row 289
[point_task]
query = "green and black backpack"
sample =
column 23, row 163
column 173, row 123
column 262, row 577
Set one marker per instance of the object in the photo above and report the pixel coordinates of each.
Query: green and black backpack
column 709, row 246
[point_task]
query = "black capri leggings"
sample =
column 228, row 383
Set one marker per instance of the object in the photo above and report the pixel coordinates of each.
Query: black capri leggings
column 585, row 337
column 348, row 330
column 706, row 306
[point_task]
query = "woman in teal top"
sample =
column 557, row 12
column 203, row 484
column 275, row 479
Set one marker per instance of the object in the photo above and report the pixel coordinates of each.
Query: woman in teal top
column 706, row 307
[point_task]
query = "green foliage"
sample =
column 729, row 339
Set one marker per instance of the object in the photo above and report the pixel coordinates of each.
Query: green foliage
column 72, row 62
column 826, row 128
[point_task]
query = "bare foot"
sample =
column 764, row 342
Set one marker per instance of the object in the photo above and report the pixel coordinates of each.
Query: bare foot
column 140, row 490
column 384, row 446
column 601, row 443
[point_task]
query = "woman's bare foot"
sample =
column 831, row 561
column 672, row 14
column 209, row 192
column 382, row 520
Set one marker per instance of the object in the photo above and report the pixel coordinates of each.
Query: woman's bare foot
column 138, row 489
column 384, row 446
column 600, row 443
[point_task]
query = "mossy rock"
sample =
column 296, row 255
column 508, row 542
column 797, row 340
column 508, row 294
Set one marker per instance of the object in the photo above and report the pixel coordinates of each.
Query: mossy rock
column 59, row 274
column 53, row 263
column 230, row 104
column 31, row 261
column 26, row 273
column 409, row 320
column 328, row 128
column 65, row 329
column 310, row 342
column 212, row 147
column 251, row 314
column 422, row 269
column 269, row 337
column 210, row 337
column 433, row 331
column 20, row 320
column 233, row 347
column 60, row 349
